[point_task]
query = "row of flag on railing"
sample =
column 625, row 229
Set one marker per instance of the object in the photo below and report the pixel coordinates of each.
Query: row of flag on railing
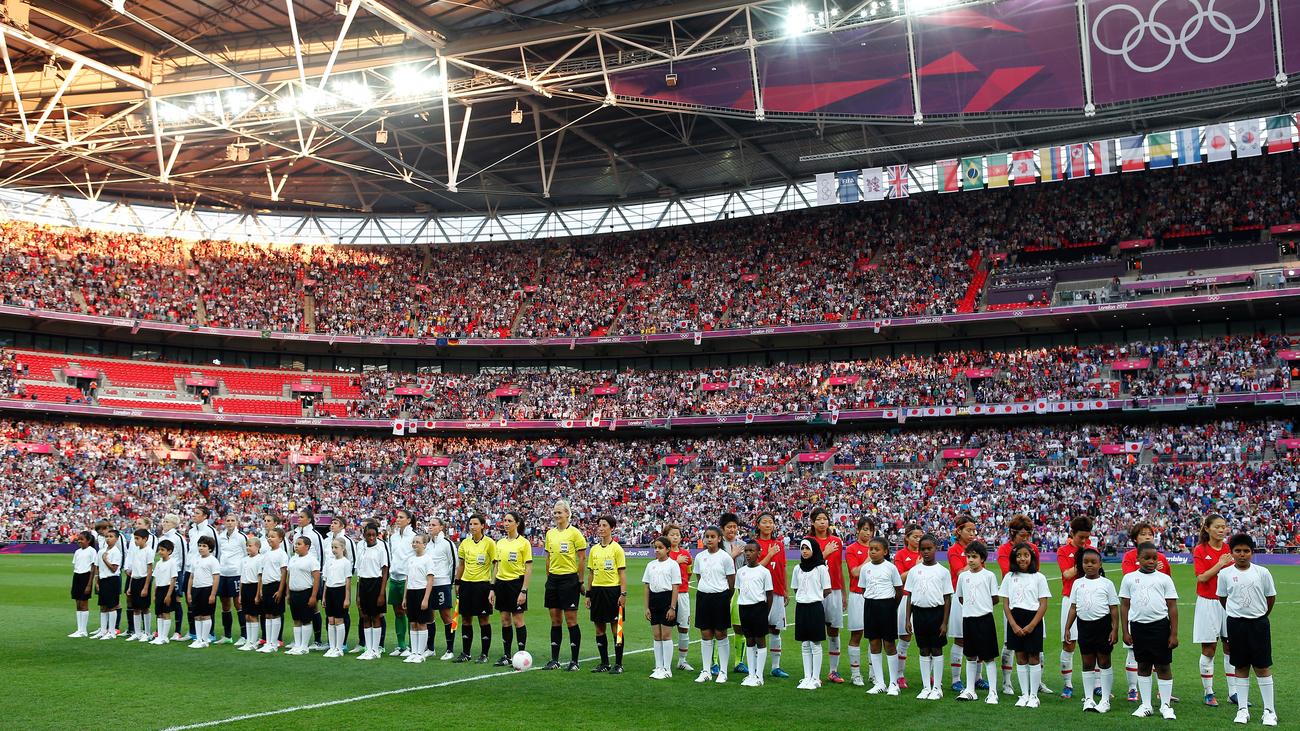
column 1134, row 153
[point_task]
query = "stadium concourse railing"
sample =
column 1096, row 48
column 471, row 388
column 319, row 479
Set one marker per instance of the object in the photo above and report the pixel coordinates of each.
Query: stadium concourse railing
column 809, row 328
column 896, row 414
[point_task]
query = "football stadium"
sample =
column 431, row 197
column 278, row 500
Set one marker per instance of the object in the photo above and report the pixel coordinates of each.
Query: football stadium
column 629, row 364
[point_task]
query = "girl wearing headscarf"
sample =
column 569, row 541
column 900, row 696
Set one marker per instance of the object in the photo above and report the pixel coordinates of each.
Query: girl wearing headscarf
column 811, row 583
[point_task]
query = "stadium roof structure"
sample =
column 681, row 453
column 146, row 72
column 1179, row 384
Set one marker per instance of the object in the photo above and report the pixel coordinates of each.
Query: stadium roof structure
column 448, row 107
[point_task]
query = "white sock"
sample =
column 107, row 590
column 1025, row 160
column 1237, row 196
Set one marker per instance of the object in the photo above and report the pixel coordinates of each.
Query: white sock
column 992, row 669
column 1207, row 674
column 1067, row 668
column 1265, row 690
column 1144, row 689
column 83, row 619
column 972, row 667
column 1131, row 669
column 1243, row 695
column 372, row 639
column 162, row 629
column 683, row 645
column 667, row 653
column 833, row 650
column 926, row 681
column 1089, row 683
column 805, row 652
column 706, row 654
column 103, row 621
column 658, row 652
column 855, row 661
column 1008, row 666
column 724, row 654
column 1166, row 691
column 901, row 647
column 1022, row 674
column 1035, row 678
column 894, row 669
column 954, row 662
column 817, row 660
column 274, row 630
column 774, row 647
column 201, row 630
column 250, row 632
column 877, row 675
column 751, row 659
column 1107, row 682
column 936, row 667
column 760, row 660
column 1230, row 671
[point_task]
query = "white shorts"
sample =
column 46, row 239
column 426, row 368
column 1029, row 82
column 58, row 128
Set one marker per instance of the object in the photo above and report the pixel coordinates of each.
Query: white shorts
column 902, row 617
column 683, row 611
column 954, row 620
column 857, row 605
column 1210, row 623
column 1066, row 603
column 833, row 608
column 776, row 617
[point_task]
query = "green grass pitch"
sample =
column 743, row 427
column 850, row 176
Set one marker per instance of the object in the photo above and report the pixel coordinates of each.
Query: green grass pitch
column 54, row 682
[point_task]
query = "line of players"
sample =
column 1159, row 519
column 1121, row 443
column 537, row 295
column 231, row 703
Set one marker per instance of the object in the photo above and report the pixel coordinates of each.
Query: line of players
column 741, row 586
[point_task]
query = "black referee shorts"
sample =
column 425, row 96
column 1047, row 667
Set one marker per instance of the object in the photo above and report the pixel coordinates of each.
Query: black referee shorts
column 562, row 591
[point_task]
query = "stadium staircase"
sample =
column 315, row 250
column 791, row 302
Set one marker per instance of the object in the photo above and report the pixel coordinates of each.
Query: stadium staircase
column 309, row 312
column 970, row 300
column 79, row 298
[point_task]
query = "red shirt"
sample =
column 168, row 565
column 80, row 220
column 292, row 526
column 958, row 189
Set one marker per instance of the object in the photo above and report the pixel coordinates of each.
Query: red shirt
column 684, row 566
column 1130, row 563
column 777, row 565
column 1065, row 560
column 956, row 561
column 1203, row 559
column 1004, row 555
column 904, row 560
column 856, row 555
column 833, row 551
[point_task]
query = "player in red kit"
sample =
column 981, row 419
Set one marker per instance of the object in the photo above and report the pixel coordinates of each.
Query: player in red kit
column 1209, row 626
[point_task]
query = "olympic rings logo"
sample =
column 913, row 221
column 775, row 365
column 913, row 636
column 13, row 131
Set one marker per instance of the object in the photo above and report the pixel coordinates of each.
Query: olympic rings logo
column 1206, row 14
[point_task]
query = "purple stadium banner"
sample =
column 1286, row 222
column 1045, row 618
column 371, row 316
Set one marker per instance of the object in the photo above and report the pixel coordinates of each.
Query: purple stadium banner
column 1015, row 55
column 1289, row 13
column 1148, row 48
column 863, row 71
column 722, row 81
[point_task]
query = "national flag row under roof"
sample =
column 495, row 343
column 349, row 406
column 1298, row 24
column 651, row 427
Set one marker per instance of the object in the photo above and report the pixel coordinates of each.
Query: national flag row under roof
column 1188, row 146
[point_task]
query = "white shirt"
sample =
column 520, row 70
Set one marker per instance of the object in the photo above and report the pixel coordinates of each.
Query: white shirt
column 713, row 570
column 1093, row 598
column 752, row 584
column 250, row 569
column 138, row 560
column 976, row 591
column 232, row 549
column 444, row 560
column 349, row 547
column 418, row 569
column 202, row 571
column 927, row 585
column 810, row 586
column 338, row 571
column 371, row 560
column 115, row 554
column 318, row 549
column 1022, row 591
column 84, row 560
column 1147, row 595
column 272, row 561
column 1247, row 591
column 197, row 531
column 300, row 571
column 400, row 551
column 164, row 572
column 878, row 580
column 180, row 548
column 662, row 576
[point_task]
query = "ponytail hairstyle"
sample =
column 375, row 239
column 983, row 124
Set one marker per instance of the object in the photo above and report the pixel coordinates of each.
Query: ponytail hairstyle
column 88, row 537
column 663, row 541
column 759, row 520
column 1204, row 539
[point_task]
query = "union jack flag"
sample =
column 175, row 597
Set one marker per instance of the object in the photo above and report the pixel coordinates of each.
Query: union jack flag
column 898, row 181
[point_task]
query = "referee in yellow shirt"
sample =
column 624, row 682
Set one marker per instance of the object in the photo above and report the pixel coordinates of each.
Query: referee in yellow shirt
column 514, row 569
column 474, row 587
column 606, row 591
column 566, row 552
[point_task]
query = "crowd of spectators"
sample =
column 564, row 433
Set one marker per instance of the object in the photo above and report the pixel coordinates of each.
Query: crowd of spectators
column 1049, row 472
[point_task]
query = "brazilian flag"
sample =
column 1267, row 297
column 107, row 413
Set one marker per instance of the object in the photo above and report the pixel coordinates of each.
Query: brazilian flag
column 972, row 173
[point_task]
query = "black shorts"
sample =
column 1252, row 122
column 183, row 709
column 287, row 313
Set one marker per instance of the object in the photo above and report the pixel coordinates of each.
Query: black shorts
column 160, row 603
column 369, row 592
column 880, row 619
column 110, row 592
column 1031, row 643
column 298, row 608
column 980, row 637
column 442, row 597
column 136, row 602
column 926, row 622
column 414, row 598
column 713, row 610
column 1151, row 642
column 809, row 622
column 509, row 598
column 1094, row 636
column 228, row 587
column 269, row 606
column 659, row 603
column 200, row 604
column 334, row 602
column 753, row 619
column 474, row 599
column 562, row 591
column 248, row 598
column 604, row 604
column 1250, row 642
column 81, row 586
